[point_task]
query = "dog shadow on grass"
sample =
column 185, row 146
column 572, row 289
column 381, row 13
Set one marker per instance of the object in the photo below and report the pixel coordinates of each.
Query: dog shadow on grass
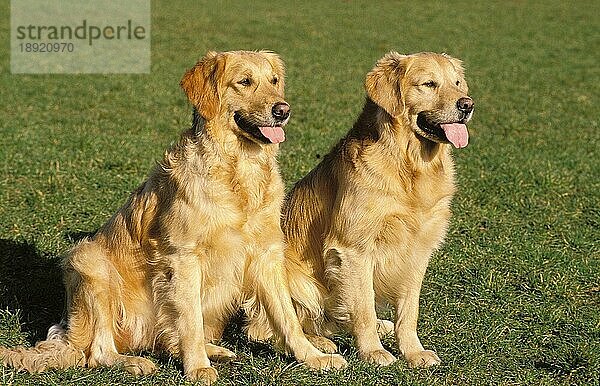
column 31, row 281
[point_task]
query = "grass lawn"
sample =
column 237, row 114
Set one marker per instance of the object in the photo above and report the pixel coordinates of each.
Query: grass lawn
column 513, row 297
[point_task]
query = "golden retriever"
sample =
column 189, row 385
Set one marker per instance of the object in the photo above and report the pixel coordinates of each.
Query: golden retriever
column 361, row 227
column 200, row 238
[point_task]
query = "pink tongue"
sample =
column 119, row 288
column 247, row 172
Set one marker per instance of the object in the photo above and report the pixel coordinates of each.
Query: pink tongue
column 456, row 133
column 275, row 134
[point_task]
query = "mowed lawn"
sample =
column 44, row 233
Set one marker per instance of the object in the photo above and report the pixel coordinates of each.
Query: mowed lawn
column 513, row 297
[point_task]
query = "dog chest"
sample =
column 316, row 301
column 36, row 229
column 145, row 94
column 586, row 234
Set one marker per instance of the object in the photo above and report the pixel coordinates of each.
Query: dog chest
column 409, row 231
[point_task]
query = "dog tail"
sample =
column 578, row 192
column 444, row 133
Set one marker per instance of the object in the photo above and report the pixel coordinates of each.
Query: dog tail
column 56, row 352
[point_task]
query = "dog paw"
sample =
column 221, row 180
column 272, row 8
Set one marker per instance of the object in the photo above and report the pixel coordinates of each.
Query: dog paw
column 139, row 366
column 425, row 358
column 378, row 357
column 219, row 354
column 206, row 375
column 326, row 362
column 322, row 344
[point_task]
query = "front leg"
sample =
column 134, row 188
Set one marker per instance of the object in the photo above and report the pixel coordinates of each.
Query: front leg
column 186, row 297
column 350, row 278
column 270, row 294
column 407, row 312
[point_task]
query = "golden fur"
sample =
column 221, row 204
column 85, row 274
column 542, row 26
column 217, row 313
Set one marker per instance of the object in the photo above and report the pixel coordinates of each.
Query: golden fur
column 200, row 238
column 361, row 227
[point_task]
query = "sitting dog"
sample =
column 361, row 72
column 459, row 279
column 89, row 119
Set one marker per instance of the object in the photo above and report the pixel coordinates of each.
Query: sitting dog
column 362, row 226
column 200, row 238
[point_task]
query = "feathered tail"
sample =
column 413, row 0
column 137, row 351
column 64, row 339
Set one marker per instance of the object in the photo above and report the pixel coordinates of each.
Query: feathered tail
column 53, row 353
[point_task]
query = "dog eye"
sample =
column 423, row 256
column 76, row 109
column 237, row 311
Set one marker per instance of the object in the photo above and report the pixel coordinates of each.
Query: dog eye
column 275, row 80
column 430, row 84
column 245, row 82
column 458, row 82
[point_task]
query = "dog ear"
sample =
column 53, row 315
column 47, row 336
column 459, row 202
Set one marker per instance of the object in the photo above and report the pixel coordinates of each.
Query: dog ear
column 201, row 84
column 383, row 82
column 277, row 65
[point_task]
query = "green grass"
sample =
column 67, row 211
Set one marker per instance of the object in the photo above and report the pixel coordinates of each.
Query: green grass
column 513, row 298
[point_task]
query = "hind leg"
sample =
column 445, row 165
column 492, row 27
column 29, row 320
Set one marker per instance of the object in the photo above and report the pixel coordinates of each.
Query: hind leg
column 319, row 334
column 322, row 343
column 102, row 348
column 384, row 327
column 93, row 291
column 103, row 352
column 219, row 354
column 213, row 331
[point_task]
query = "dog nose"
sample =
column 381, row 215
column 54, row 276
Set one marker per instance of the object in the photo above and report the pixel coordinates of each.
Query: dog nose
column 465, row 104
column 281, row 111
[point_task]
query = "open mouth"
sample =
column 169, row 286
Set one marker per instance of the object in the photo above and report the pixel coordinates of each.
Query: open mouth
column 454, row 132
column 265, row 134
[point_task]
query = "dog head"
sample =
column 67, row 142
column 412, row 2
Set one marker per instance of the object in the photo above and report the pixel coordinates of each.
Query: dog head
column 245, row 88
column 428, row 90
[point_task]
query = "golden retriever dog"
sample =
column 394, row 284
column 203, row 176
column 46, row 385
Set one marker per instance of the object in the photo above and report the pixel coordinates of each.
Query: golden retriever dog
column 361, row 227
column 200, row 238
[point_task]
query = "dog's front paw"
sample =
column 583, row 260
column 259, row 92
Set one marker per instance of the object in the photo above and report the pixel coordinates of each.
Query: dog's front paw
column 326, row 362
column 206, row 375
column 425, row 358
column 378, row 357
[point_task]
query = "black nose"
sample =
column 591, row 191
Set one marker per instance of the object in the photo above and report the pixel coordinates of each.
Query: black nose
column 465, row 104
column 281, row 111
